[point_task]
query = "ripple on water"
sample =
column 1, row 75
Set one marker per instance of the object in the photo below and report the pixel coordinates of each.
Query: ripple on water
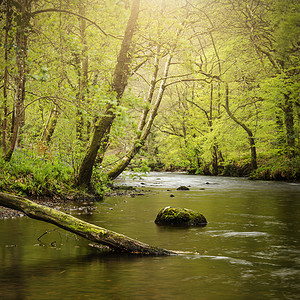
column 245, row 234
column 226, row 233
column 252, row 216
column 286, row 273
column 224, row 258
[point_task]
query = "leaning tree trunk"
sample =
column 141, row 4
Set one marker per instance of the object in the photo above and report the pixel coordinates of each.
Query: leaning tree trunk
column 115, row 241
column 103, row 125
column 246, row 128
column 142, row 136
column 50, row 125
column 145, row 126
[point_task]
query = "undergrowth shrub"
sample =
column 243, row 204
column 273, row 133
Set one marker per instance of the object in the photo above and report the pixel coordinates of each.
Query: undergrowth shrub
column 281, row 168
column 31, row 174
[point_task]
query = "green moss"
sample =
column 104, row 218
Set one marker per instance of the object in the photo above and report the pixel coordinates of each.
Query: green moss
column 180, row 216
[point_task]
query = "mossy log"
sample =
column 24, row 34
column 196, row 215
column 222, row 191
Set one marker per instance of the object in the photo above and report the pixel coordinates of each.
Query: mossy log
column 115, row 241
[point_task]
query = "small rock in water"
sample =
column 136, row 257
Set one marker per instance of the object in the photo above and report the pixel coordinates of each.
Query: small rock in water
column 172, row 195
column 183, row 188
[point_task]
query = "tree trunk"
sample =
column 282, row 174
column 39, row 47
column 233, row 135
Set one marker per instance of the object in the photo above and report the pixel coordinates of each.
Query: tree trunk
column 83, row 78
column 215, row 163
column 101, row 130
column 103, row 125
column 21, row 54
column 246, row 128
column 289, row 126
column 50, row 125
column 144, row 132
column 145, row 126
column 5, row 77
column 151, row 91
column 279, row 68
column 115, row 241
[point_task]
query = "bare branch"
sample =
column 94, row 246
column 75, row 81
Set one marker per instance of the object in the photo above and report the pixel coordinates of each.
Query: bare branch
column 202, row 109
column 188, row 80
column 168, row 132
column 247, row 104
column 77, row 15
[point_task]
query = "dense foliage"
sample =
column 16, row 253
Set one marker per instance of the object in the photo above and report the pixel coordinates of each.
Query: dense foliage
column 211, row 87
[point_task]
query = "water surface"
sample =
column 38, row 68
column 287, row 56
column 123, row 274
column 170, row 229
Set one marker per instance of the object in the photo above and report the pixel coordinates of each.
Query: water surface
column 249, row 249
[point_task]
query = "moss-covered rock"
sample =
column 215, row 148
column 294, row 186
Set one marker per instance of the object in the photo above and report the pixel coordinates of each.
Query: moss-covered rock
column 180, row 217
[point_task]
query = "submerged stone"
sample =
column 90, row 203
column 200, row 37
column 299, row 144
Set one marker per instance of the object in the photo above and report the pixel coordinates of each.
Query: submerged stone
column 180, row 217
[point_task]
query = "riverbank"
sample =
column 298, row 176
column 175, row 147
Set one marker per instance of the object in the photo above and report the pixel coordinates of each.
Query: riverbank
column 273, row 168
column 6, row 213
column 67, row 203
column 53, row 183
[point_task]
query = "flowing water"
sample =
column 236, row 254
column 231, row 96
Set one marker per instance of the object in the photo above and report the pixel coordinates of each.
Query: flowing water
column 248, row 250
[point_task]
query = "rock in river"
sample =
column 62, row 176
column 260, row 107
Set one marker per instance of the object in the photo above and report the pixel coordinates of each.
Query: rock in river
column 183, row 188
column 180, row 217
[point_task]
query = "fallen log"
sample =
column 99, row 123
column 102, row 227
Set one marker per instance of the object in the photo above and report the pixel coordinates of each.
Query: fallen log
column 96, row 234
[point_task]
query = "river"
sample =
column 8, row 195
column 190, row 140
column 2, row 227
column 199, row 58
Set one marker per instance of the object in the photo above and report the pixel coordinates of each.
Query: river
column 249, row 249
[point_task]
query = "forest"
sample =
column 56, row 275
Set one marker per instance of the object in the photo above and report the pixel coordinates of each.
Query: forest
column 92, row 88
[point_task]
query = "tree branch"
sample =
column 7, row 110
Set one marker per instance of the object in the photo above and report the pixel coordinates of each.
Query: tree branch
column 188, row 80
column 77, row 15
column 168, row 132
column 205, row 112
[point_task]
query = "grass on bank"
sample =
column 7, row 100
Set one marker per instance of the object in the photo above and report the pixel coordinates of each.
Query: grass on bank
column 33, row 175
column 280, row 168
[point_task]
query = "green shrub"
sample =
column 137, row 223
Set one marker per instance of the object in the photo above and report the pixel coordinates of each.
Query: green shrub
column 31, row 174
column 280, row 168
